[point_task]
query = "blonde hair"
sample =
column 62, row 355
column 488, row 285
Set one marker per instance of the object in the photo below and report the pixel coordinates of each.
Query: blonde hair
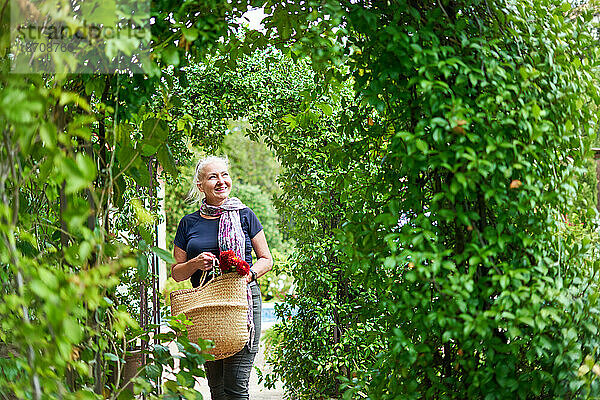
column 195, row 196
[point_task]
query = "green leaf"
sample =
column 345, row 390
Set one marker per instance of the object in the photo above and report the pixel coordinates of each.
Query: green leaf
column 18, row 107
column 126, row 155
column 74, row 98
column 154, row 371
column 119, row 189
column 536, row 111
column 48, row 134
column 190, row 34
column 290, row 120
column 26, row 140
column 569, row 125
column 170, row 56
column 111, row 357
column 156, row 131
column 141, row 176
column 421, row 145
column 100, row 12
column 73, row 330
column 326, row 108
column 527, row 320
column 79, row 173
column 166, row 160
column 145, row 233
column 164, row 255
column 162, row 354
column 142, row 267
column 96, row 86
column 148, row 149
column 524, row 73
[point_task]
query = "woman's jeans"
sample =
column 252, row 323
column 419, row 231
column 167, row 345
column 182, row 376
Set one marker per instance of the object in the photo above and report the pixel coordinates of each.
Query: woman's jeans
column 228, row 378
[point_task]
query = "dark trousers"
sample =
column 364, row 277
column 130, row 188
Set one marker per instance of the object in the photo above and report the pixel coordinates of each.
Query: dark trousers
column 228, row 378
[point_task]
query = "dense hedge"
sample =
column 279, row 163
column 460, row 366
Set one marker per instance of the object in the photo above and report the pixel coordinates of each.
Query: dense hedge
column 452, row 190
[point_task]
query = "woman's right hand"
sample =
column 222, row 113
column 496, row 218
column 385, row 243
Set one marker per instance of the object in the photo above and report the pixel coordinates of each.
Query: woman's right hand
column 204, row 261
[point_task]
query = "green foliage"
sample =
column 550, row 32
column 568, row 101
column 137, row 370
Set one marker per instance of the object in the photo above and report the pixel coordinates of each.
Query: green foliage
column 262, row 88
column 445, row 234
column 251, row 162
column 332, row 313
column 484, row 297
column 191, row 358
column 78, row 204
column 176, row 206
column 278, row 282
column 64, row 329
column 586, row 186
column 430, row 152
column 262, row 205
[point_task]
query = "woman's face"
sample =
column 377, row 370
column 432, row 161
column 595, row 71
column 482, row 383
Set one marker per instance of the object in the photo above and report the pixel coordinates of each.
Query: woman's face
column 215, row 183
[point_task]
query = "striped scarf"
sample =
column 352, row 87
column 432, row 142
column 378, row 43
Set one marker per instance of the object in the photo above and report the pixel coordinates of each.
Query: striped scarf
column 231, row 236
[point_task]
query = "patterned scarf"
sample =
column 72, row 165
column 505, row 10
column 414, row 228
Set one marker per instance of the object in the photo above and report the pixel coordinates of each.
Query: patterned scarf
column 231, row 237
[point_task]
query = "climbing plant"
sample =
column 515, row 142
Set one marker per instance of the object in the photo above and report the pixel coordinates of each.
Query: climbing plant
column 480, row 117
column 79, row 199
column 483, row 291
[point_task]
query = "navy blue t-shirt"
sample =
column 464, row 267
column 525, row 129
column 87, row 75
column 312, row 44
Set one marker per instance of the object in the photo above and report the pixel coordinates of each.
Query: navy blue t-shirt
column 196, row 234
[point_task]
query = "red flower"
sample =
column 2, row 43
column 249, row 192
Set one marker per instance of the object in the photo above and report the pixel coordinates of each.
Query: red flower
column 228, row 261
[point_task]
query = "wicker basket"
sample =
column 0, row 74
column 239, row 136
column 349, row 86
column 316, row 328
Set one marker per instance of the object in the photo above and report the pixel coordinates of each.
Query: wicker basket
column 218, row 311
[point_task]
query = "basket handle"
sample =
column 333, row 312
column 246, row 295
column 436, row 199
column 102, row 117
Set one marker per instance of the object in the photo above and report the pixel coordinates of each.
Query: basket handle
column 202, row 278
column 215, row 265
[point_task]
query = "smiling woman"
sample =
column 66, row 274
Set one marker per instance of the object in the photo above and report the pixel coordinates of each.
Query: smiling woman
column 222, row 223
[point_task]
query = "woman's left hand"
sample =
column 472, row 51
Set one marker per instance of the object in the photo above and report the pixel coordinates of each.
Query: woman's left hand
column 249, row 278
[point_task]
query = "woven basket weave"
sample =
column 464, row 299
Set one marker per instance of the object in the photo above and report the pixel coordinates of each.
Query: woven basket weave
column 218, row 311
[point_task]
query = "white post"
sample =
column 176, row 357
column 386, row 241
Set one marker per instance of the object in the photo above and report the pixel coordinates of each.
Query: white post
column 162, row 230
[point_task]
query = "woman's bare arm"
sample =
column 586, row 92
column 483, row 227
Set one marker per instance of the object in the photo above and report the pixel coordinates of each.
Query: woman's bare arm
column 183, row 269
